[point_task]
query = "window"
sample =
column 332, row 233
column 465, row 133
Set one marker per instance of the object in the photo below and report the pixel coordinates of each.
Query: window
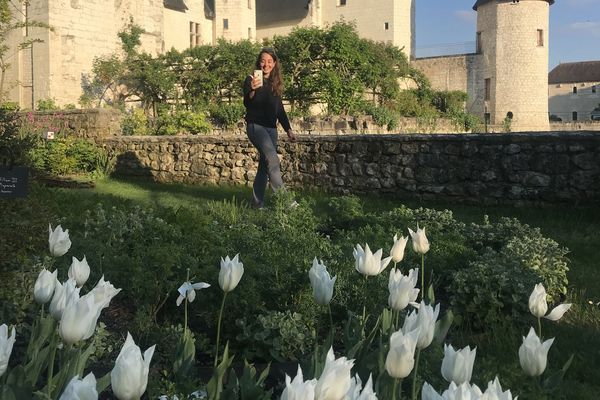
column 488, row 88
column 341, row 2
column 249, row 33
column 594, row 89
column 195, row 39
column 574, row 116
column 509, row 115
column 386, row 26
column 574, row 89
column 540, row 37
column 225, row 23
column 487, row 118
column 250, row 4
column 478, row 43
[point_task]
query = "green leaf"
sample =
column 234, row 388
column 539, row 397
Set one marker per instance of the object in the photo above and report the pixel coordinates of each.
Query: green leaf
column 442, row 326
column 215, row 385
column 555, row 379
column 103, row 383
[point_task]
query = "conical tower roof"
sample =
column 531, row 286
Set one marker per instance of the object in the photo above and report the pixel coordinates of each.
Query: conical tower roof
column 481, row 2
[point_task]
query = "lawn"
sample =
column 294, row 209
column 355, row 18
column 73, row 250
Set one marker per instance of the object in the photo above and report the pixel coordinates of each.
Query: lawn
column 24, row 226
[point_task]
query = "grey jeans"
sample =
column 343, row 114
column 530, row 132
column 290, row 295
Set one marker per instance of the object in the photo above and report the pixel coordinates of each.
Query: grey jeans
column 269, row 170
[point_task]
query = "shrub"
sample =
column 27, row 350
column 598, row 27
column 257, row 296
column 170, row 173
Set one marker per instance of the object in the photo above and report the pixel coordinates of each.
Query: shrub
column 192, row 122
column 227, row 114
column 135, row 123
column 64, row 156
column 46, row 105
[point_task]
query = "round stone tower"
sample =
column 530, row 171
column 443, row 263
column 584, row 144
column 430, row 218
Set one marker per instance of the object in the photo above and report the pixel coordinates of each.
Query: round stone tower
column 512, row 39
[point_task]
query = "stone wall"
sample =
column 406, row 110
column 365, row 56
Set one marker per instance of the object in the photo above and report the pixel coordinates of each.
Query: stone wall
column 490, row 169
column 91, row 123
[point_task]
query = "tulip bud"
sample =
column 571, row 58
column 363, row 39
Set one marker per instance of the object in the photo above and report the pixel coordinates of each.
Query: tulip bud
column 533, row 354
column 424, row 319
column 230, row 274
column 419, row 240
column 537, row 301
column 457, row 366
column 367, row 263
column 397, row 252
column 79, row 270
column 400, row 359
column 335, row 380
column 44, row 286
column 129, row 377
column 81, row 389
column 297, row 389
column 321, row 282
column 6, row 346
column 402, row 288
column 58, row 241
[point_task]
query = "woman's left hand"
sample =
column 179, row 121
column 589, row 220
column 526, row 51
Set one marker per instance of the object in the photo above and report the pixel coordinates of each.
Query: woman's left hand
column 291, row 135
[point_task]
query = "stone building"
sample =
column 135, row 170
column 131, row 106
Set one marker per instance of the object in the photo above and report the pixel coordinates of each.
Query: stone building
column 499, row 84
column 85, row 29
column 574, row 90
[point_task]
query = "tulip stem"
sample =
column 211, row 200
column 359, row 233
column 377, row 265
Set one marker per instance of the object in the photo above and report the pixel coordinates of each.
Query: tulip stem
column 53, row 345
column 219, row 329
column 423, row 277
column 414, row 383
column 185, row 307
column 331, row 319
column 397, row 388
column 364, row 314
column 540, row 328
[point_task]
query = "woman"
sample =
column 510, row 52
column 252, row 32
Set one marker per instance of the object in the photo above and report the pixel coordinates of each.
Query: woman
column 263, row 110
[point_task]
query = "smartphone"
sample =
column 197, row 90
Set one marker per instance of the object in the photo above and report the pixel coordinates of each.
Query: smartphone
column 259, row 74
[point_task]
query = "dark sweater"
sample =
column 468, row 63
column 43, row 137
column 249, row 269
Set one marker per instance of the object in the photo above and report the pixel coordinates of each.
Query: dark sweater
column 265, row 108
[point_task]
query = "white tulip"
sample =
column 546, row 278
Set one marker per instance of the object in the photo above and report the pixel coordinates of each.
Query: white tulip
column 367, row 263
column 533, row 354
column 464, row 391
column 298, row 389
column 321, row 282
column 357, row 392
column 58, row 241
column 538, row 305
column 419, row 240
column 129, row 377
column 188, row 290
column 230, row 274
column 494, row 392
column 81, row 389
column 397, row 252
column 6, row 346
column 457, row 366
column 424, row 319
column 402, row 289
column 400, row 359
column 44, row 286
column 79, row 270
column 429, row 393
column 64, row 294
column 335, row 380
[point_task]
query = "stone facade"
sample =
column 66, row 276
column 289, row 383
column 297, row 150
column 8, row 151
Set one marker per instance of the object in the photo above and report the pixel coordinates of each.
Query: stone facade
column 490, row 169
column 91, row 124
column 576, row 99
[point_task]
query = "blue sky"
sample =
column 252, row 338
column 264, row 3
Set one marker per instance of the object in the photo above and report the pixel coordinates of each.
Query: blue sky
column 448, row 26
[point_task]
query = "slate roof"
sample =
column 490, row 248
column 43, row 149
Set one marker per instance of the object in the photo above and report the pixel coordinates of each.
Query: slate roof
column 177, row 5
column 480, row 2
column 583, row 71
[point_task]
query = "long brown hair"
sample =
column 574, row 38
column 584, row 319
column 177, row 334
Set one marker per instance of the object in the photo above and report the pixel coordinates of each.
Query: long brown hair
column 275, row 76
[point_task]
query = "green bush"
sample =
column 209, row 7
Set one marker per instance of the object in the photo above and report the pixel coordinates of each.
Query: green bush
column 46, row 105
column 382, row 116
column 227, row 114
column 65, row 156
column 135, row 123
column 192, row 122
column 283, row 336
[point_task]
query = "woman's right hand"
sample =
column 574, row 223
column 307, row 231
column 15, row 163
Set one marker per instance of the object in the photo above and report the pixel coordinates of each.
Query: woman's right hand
column 255, row 84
